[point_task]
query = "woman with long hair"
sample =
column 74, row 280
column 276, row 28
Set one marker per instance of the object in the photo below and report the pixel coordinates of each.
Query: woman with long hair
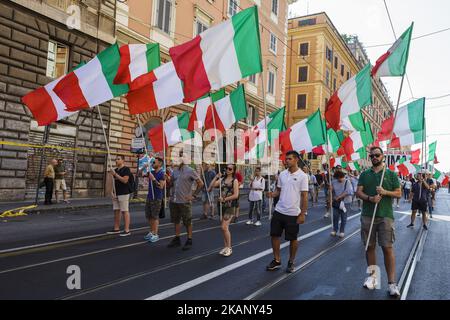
column 230, row 194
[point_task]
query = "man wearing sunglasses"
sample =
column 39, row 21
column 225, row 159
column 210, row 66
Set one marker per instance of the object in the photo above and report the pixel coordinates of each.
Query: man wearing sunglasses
column 371, row 193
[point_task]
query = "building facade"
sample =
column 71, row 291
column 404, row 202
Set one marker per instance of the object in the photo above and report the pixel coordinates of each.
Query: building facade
column 37, row 46
column 320, row 60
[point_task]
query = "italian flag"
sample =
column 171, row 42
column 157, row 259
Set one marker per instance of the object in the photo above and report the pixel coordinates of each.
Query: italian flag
column 164, row 90
column 440, row 177
column 136, row 61
column 92, row 84
column 334, row 143
column 406, row 168
column 407, row 140
column 334, row 162
column 257, row 136
column 393, row 63
column 304, row 135
column 170, row 132
column 219, row 56
column 348, row 100
column 359, row 154
column 228, row 110
column 45, row 105
column 357, row 140
column 432, row 151
column 202, row 115
column 354, row 122
column 409, row 119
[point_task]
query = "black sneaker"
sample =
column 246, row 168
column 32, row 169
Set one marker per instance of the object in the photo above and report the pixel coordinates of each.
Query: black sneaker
column 431, row 216
column 113, row 232
column 203, row 217
column 290, row 267
column 425, row 227
column 188, row 244
column 125, row 233
column 410, row 225
column 176, row 242
column 274, row 265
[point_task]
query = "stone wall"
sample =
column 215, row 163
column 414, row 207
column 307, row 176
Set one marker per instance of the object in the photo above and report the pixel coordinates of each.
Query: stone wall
column 24, row 36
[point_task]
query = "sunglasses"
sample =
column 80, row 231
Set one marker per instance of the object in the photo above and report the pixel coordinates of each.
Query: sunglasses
column 230, row 169
column 375, row 155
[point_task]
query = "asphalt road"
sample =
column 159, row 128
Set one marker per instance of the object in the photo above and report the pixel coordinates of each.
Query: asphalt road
column 131, row 268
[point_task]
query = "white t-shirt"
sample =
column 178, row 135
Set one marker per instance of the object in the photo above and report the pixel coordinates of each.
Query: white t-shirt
column 291, row 185
column 408, row 184
column 256, row 195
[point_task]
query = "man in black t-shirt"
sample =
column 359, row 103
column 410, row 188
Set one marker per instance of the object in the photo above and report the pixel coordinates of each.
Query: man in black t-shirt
column 319, row 184
column 122, row 177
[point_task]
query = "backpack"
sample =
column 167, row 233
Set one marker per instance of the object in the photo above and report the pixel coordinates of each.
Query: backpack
column 132, row 185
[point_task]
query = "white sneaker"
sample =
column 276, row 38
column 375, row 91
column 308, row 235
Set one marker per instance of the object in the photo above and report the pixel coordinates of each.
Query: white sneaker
column 398, row 206
column 371, row 282
column 221, row 252
column 257, row 223
column 327, row 215
column 393, row 290
column 333, row 233
column 148, row 236
column 227, row 252
column 249, row 222
column 341, row 235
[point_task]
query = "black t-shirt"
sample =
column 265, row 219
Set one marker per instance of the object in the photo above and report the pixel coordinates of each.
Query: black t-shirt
column 319, row 178
column 122, row 188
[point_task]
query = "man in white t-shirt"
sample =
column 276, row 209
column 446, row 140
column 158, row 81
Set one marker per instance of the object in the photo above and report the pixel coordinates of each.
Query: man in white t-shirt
column 290, row 211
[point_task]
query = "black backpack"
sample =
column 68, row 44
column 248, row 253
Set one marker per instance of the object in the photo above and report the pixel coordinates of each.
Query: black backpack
column 132, row 185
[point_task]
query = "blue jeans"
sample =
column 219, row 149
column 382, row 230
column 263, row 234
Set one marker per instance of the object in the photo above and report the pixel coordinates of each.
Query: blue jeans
column 339, row 214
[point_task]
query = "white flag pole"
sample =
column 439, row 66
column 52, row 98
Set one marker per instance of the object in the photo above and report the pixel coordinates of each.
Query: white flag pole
column 107, row 149
column 218, row 156
column 146, row 153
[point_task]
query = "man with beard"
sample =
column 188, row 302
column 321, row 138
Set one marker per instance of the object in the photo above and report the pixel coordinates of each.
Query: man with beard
column 371, row 193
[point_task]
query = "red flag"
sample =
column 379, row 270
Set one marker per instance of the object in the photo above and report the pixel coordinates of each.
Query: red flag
column 386, row 129
column 435, row 160
column 415, row 156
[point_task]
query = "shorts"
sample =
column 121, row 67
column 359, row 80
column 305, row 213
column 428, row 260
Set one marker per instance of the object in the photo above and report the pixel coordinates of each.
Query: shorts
column 181, row 211
column 153, row 208
column 421, row 206
column 383, row 227
column 284, row 222
column 60, row 184
column 121, row 203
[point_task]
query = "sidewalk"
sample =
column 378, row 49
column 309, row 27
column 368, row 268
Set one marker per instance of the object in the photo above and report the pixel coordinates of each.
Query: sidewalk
column 75, row 204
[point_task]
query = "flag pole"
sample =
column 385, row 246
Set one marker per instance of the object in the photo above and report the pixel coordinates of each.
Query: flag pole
column 203, row 174
column 165, row 160
column 146, row 153
column 107, row 149
column 218, row 155
column 384, row 164
column 266, row 143
column 330, row 195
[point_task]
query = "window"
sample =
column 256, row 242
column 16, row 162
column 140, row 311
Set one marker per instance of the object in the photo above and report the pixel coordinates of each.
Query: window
column 275, row 7
column 271, row 83
column 336, row 62
column 301, row 101
column 304, row 49
column 252, row 78
column 303, row 74
column 327, row 77
column 342, row 70
column 57, row 59
column 232, row 7
column 163, row 15
column 348, row 75
column 200, row 27
column 307, row 22
column 252, row 115
column 329, row 54
column 334, row 84
column 273, row 43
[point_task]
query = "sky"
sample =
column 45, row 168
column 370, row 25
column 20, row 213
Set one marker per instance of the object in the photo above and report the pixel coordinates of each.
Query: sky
column 428, row 67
